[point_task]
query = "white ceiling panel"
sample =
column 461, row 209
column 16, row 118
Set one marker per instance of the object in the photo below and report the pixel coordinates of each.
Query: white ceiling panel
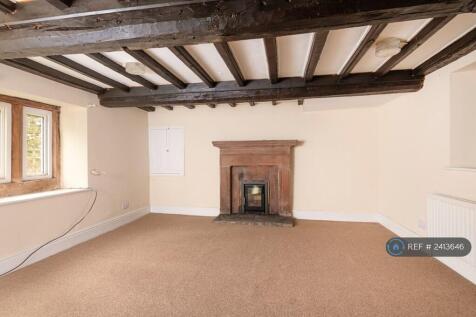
column 122, row 58
column 207, row 56
column 251, row 58
column 168, row 59
column 106, row 71
column 340, row 46
column 452, row 31
column 402, row 30
column 293, row 51
column 68, row 71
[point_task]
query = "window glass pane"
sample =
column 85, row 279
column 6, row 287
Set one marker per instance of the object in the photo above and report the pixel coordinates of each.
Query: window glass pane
column 35, row 145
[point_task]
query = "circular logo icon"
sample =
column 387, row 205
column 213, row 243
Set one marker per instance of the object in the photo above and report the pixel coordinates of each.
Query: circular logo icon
column 395, row 247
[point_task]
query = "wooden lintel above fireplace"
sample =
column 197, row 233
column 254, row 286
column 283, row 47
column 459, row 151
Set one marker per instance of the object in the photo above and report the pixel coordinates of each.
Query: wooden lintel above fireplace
column 264, row 143
column 269, row 162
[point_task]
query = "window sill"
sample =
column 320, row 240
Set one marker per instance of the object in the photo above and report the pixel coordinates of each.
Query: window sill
column 36, row 196
column 461, row 169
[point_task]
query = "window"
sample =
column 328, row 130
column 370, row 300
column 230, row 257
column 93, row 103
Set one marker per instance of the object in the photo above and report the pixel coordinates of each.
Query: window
column 166, row 151
column 37, row 145
column 5, row 142
column 30, row 146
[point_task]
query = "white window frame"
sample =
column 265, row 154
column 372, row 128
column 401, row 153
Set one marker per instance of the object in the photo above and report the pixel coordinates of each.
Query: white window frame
column 6, row 143
column 48, row 143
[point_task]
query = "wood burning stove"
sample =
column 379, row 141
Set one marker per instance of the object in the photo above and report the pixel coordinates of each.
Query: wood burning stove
column 254, row 197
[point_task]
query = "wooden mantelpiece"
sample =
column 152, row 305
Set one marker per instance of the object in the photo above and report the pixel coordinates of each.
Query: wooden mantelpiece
column 269, row 161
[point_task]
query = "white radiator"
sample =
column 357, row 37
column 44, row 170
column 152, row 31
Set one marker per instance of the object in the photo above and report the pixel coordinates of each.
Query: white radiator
column 453, row 217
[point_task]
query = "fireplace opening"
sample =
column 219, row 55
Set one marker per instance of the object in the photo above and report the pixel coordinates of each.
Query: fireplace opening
column 254, row 197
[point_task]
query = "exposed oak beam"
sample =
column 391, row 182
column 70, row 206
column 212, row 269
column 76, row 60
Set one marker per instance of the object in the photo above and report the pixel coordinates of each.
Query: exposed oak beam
column 87, row 72
column 168, row 107
column 431, row 28
column 232, row 104
column 225, row 52
column 263, row 90
column 148, row 109
column 458, row 49
column 201, row 22
column 38, row 69
column 194, row 66
column 363, row 47
column 272, row 57
column 7, row 6
column 156, row 67
column 61, row 4
column 105, row 61
column 212, row 105
column 318, row 42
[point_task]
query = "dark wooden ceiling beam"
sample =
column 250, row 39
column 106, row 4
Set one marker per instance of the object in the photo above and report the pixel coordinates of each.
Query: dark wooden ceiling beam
column 202, row 22
column 38, row 69
column 364, row 46
column 61, row 4
column 317, row 46
column 87, row 72
column 194, row 66
column 226, row 54
column 170, row 108
column 148, row 109
column 105, row 61
column 232, row 104
column 7, row 6
column 300, row 102
column 271, row 48
column 454, row 51
column 156, row 67
column 426, row 33
column 263, row 90
column 212, row 105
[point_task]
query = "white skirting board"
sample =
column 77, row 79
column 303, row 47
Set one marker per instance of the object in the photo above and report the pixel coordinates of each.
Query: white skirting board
column 72, row 239
column 186, row 211
column 334, row 216
column 455, row 264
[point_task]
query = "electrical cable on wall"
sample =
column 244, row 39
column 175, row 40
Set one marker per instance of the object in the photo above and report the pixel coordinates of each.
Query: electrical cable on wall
column 58, row 237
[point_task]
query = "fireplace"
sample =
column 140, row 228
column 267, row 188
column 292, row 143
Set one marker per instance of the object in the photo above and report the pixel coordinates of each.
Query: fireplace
column 254, row 198
column 256, row 179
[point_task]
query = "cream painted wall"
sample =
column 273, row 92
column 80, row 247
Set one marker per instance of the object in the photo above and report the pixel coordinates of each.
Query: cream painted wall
column 74, row 146
column 118, row 146
column 112, row 140
column 463, row 114
column 335, row 168
column 14, row 82
column 414, row 150
column 385, row 159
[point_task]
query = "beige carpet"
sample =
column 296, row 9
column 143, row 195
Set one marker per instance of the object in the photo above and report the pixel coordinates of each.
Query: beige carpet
column 188, row 266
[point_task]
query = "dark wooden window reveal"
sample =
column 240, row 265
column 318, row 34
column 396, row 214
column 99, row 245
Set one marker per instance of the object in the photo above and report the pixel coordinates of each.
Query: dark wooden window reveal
column 36, row 126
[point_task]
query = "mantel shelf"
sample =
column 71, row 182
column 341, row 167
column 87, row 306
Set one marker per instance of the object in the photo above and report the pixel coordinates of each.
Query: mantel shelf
column 263, row 143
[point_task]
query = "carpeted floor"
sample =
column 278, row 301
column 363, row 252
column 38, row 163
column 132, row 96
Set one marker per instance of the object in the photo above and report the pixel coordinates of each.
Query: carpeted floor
column 188, row 266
